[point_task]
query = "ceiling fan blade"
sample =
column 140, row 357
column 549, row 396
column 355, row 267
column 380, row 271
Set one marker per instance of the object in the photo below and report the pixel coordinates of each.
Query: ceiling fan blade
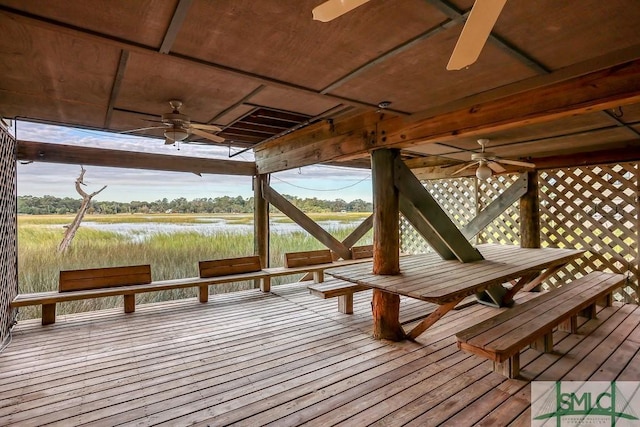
column 332, row 9
column 470, row 165
column 207, row 135
column 203, row 126
column 516, row 163
column 475, row 33
column 495, row 166
column 141, row 129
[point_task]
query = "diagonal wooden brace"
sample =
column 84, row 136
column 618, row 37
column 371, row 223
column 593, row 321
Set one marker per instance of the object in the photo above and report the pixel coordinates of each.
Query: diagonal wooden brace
column 432, row 318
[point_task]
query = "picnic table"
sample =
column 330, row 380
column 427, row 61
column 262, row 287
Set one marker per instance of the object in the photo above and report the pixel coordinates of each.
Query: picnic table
column 446, row 283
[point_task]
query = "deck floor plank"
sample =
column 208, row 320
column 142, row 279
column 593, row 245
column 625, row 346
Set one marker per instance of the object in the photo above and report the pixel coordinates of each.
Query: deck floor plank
column 285, row 358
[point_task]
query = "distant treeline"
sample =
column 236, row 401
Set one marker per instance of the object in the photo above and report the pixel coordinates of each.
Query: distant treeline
column 32, row 205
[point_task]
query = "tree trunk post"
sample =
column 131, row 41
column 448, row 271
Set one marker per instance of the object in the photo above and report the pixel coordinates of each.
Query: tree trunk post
column 386, row 244
column 261, row 228
column 530, row 216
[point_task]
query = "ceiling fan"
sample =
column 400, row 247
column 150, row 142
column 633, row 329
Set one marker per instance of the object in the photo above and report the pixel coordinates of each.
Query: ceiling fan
column 488, row 162
column 177, row 126
column 475, row 32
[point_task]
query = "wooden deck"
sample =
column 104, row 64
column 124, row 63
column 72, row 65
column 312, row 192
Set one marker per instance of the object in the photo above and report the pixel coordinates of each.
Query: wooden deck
column 285, row 358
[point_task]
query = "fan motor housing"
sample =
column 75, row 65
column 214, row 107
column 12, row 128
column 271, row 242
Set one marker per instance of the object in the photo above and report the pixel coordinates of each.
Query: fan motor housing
column 482, row 156
column 175, row 119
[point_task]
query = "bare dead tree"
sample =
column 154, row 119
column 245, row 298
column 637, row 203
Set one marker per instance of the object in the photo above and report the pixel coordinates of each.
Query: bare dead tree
column 86, row 201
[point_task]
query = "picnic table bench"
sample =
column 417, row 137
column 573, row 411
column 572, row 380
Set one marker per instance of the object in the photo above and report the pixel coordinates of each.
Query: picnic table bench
column 501, row 338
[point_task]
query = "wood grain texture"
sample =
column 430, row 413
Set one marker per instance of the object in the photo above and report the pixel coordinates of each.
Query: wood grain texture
column 301, row 363
column 94, row 278
column 386, row 213
column 227, row 266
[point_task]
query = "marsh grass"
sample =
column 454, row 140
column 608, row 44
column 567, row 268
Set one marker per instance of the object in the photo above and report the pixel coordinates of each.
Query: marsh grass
column 171, row 256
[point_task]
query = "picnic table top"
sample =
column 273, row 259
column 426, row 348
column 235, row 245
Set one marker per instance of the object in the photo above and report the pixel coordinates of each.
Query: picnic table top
column 430, row 278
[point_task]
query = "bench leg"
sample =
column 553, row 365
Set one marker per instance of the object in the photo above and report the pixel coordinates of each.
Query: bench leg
column 265, row 284
column 590, row 312
column 345, row 304
column 130, row 303
column 543, row 344
column 570, row 325
column 510, row 368
column 318, row 276
column 608, row 300
column 204, row 293
column 48, row 314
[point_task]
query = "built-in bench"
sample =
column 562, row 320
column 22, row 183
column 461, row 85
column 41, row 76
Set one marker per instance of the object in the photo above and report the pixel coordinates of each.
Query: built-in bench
column 314, row 262
column 501, row 338
column 342, row 289
column 131, row 280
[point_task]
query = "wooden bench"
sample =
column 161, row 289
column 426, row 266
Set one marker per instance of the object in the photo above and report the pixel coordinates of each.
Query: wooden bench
column 338, row 288
column 342, row 289
column 501, row 338
column 314, row 262
column 131, row 280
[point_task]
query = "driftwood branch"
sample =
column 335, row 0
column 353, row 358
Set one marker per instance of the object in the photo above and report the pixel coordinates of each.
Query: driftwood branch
column 86, row 202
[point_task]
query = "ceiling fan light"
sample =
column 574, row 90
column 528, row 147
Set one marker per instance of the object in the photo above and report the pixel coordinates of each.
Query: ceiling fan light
column 483, row 172
column 176, row 133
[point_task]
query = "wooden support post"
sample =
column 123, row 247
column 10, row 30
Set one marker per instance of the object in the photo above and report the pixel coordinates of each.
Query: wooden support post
column 510, row 368
column 203, row 293
column 129, row 303
column 530, row 216
column 543, row 344
column 48, row 314
column 386, row 244
column 590, row 312
column 386, row 213
column 386, row 314
column 345, row 304
column 570, row 325
column 261, row 227
column 265, row 284
column 318, row 276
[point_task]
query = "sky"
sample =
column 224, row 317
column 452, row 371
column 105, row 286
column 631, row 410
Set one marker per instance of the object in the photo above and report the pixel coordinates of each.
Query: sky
column 125, row 185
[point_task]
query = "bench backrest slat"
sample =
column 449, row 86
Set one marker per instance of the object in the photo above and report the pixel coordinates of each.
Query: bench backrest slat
column 302, row 259
column 95, row 278
column 222, row 267
column 361, row 252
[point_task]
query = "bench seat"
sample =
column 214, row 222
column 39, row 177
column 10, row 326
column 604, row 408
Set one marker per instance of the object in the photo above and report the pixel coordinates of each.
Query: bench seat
column 105, row 282
column 337, row 288
column 501, row 338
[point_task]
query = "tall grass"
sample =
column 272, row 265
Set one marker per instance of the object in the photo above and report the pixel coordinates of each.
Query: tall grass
column 171, row 256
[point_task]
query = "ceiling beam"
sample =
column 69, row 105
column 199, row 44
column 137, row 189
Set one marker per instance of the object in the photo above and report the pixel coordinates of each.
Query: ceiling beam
column 74, row 31
column 72, row 154
column 595, row 91
column 115, row 89
column 179, row 15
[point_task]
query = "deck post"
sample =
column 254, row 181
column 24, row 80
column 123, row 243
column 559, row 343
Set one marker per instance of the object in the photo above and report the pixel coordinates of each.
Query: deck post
column 530, row 216
column 386, row 243
column 261, row 227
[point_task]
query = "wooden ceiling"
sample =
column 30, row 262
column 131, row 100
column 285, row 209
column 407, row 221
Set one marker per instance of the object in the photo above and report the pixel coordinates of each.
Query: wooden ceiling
column 247, row 66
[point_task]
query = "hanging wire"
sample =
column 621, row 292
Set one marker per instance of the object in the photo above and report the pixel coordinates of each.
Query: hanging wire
column 323, row 189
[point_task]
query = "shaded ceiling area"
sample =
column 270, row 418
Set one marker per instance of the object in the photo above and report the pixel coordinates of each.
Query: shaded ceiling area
column 260, row 70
